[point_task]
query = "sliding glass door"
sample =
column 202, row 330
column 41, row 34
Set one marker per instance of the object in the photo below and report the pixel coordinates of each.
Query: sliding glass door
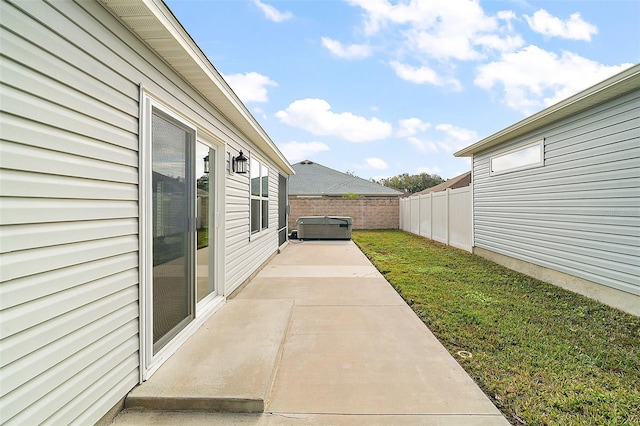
column 173, row 184
column 205, row 229
column 178, row 250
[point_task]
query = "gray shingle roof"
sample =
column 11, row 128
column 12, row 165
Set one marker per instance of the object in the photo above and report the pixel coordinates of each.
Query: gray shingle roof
column 459, row 181
column 315, row 179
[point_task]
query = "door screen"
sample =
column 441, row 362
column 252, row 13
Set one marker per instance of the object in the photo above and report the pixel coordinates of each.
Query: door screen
column 173, row 189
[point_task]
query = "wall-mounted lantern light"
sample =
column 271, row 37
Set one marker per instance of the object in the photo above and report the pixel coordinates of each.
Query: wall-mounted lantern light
column 239, row 163
column 206, row 164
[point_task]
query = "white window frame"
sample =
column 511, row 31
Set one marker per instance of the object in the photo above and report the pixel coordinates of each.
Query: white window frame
column 261, row 198
column 503, row 154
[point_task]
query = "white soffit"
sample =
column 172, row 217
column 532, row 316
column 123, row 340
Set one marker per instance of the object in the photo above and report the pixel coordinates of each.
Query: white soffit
column 155, row 25
column 621, row 83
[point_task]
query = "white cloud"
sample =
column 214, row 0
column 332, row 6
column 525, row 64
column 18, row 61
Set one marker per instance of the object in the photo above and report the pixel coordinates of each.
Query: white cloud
column 271, row 13
column 449, row 139
column 423, row 145
column 456, row 138
column 251, row 86
column 376, row 163
column 380, row 12
column 422, row 75
column 353, row 51
column 416, row 75
column 500, row 44
column 575, row 28
column 534, row 78
column 260, row 112
column 297, row 151
column 457, row 133
column 435, row 170
column 441, row 29
column 411, row 126
column 315, row 116
column 506, row 15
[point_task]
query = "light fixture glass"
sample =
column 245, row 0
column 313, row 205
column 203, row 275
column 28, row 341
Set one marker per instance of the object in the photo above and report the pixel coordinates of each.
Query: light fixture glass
column 239, row 163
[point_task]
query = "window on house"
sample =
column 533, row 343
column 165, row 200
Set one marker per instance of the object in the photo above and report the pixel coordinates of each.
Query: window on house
column 528, row 156
column 259, row 196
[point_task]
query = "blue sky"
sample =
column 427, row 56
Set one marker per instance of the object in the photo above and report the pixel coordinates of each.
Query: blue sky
column 379, row 88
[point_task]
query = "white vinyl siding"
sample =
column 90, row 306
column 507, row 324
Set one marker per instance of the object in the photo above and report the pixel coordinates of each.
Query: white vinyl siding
column 580, row 213
column 69, row 290
column 246, row 253
column 69, row 244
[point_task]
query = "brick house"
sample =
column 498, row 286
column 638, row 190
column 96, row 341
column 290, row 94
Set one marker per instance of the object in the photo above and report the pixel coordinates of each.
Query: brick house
column 316, row 190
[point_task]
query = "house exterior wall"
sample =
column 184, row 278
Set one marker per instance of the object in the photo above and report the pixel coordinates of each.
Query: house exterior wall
column 69, row 282
column 367, row 212
column 245, row 252
column 69, row 276
column 580, row 212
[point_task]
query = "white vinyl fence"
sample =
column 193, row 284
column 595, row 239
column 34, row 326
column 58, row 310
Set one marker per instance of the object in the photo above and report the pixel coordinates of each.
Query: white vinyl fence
column 443, row 216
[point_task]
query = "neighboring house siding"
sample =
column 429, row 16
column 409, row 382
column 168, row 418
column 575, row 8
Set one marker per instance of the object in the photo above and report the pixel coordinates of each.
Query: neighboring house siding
column 579, row 213
column 69, row 275
column 367, row 212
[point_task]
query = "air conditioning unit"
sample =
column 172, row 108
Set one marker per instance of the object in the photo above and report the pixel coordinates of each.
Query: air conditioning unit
column 324, row 228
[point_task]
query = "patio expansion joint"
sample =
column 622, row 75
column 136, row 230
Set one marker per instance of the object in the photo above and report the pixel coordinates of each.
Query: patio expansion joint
column 278, row 359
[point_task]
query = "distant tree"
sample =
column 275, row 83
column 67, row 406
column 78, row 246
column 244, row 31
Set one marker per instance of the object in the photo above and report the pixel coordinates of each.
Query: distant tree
column 410, row 183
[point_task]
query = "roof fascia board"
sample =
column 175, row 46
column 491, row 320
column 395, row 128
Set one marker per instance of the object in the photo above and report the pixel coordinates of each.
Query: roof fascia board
column 240, row 115
column 628, row 79
column 169, row 21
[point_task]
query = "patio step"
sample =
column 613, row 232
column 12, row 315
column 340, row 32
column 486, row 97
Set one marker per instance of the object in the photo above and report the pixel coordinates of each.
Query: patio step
column 228, row 365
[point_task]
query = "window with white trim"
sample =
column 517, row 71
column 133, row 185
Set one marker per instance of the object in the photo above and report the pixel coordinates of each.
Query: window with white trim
column 525, row 157
column 259, row 196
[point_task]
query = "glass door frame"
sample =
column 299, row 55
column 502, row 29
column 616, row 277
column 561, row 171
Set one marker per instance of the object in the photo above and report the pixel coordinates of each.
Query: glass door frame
column 213, row 225
column 150, row 362
column 217, row 193
column 178, row 274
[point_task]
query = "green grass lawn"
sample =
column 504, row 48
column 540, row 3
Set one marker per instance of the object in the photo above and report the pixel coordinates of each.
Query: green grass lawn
column 542, row 354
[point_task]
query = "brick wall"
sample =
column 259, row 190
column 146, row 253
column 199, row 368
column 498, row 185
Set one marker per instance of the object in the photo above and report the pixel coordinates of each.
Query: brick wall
column 367, row 213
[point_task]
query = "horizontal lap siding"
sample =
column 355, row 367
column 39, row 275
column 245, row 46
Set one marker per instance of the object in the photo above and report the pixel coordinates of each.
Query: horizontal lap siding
column 71, row 76
column 579, row 213
column 246, row 252
column 69, row 225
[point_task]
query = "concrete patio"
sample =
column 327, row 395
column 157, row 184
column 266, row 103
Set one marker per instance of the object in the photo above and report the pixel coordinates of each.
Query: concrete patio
column 317, row 337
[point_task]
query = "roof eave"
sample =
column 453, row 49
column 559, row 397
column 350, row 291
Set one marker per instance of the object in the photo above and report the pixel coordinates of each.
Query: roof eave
column 179, row 51
column 621, row 83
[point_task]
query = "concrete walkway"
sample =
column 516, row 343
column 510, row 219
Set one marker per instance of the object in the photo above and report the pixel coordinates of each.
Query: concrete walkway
column 319, row 337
